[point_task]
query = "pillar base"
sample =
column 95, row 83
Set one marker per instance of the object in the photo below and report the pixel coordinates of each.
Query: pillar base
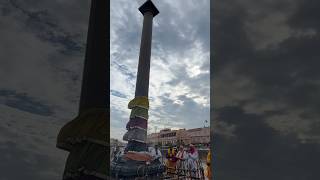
column 130, row 169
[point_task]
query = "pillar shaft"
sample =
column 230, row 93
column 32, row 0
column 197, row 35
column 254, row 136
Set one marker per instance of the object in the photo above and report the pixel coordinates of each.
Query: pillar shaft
column 137, row 139
column 94, row 91
column 85, row 137
column 132, row 164
column 142, row 83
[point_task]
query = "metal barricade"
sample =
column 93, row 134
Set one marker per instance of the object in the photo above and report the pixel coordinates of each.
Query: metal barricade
column 184, row 169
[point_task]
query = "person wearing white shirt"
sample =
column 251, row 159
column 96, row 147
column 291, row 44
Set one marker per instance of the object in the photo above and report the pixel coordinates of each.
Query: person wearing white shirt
column 155, row 153
column 193, row 157
column 182, row 157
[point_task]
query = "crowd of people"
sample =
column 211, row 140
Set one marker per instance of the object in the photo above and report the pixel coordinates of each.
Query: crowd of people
column 181, row 161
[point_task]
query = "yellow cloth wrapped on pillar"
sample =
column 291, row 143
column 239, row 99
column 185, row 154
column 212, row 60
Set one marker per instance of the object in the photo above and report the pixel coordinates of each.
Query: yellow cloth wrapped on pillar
column 139, row 101
column 90, row 125
column 85, row 138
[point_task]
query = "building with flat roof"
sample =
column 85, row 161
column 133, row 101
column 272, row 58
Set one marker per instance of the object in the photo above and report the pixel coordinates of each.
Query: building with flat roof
column 180, row 136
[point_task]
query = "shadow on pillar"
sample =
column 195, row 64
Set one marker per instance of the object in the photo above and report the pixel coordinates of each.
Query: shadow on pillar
column 86, row 137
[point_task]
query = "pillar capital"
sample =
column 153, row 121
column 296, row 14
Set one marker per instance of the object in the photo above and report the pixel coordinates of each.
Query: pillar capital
column 148, row 6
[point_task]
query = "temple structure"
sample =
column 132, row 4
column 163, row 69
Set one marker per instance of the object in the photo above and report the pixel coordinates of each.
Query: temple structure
column 136, row 161
column 85, row 137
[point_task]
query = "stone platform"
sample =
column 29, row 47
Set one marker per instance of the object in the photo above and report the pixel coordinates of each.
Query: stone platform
column 125, row 169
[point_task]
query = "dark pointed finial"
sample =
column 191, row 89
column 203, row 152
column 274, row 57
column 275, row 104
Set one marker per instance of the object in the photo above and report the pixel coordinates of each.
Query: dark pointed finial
column 149, row 6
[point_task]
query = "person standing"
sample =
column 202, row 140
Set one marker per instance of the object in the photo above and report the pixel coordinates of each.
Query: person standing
column 115, row 152
column 193, row 158
column 182, row 157
column 155, row 153
column 208, row 170
column 171, row 160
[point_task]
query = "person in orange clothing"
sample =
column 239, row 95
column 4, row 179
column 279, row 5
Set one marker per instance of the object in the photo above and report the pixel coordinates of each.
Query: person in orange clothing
column 208, row 170
column 171, row 160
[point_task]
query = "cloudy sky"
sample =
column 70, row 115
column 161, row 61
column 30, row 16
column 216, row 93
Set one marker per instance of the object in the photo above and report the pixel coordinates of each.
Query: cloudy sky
column 265, row 85
column 266, row 89
column 179, row 76
column 42, row 51
column 41, row 60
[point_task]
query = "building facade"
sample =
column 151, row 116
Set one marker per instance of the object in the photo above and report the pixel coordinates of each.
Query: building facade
column 180, row 136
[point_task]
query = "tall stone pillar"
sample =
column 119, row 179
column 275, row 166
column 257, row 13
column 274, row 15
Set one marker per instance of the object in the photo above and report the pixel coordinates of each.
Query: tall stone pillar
column 142, row 83
column 137, row 125
column 136, row 161
column 85, row 137
column 94, row 90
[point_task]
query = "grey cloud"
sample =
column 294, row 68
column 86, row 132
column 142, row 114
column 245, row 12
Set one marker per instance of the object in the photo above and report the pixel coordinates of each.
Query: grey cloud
column 279, row 82
column 306, row 15
column 21, row 164
column 41, row 41
column 45, row 26
column 190, row 113
column 278, row 73
column 24, row 103
column 117, row 93
column 42, row 51
column 256, row 149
